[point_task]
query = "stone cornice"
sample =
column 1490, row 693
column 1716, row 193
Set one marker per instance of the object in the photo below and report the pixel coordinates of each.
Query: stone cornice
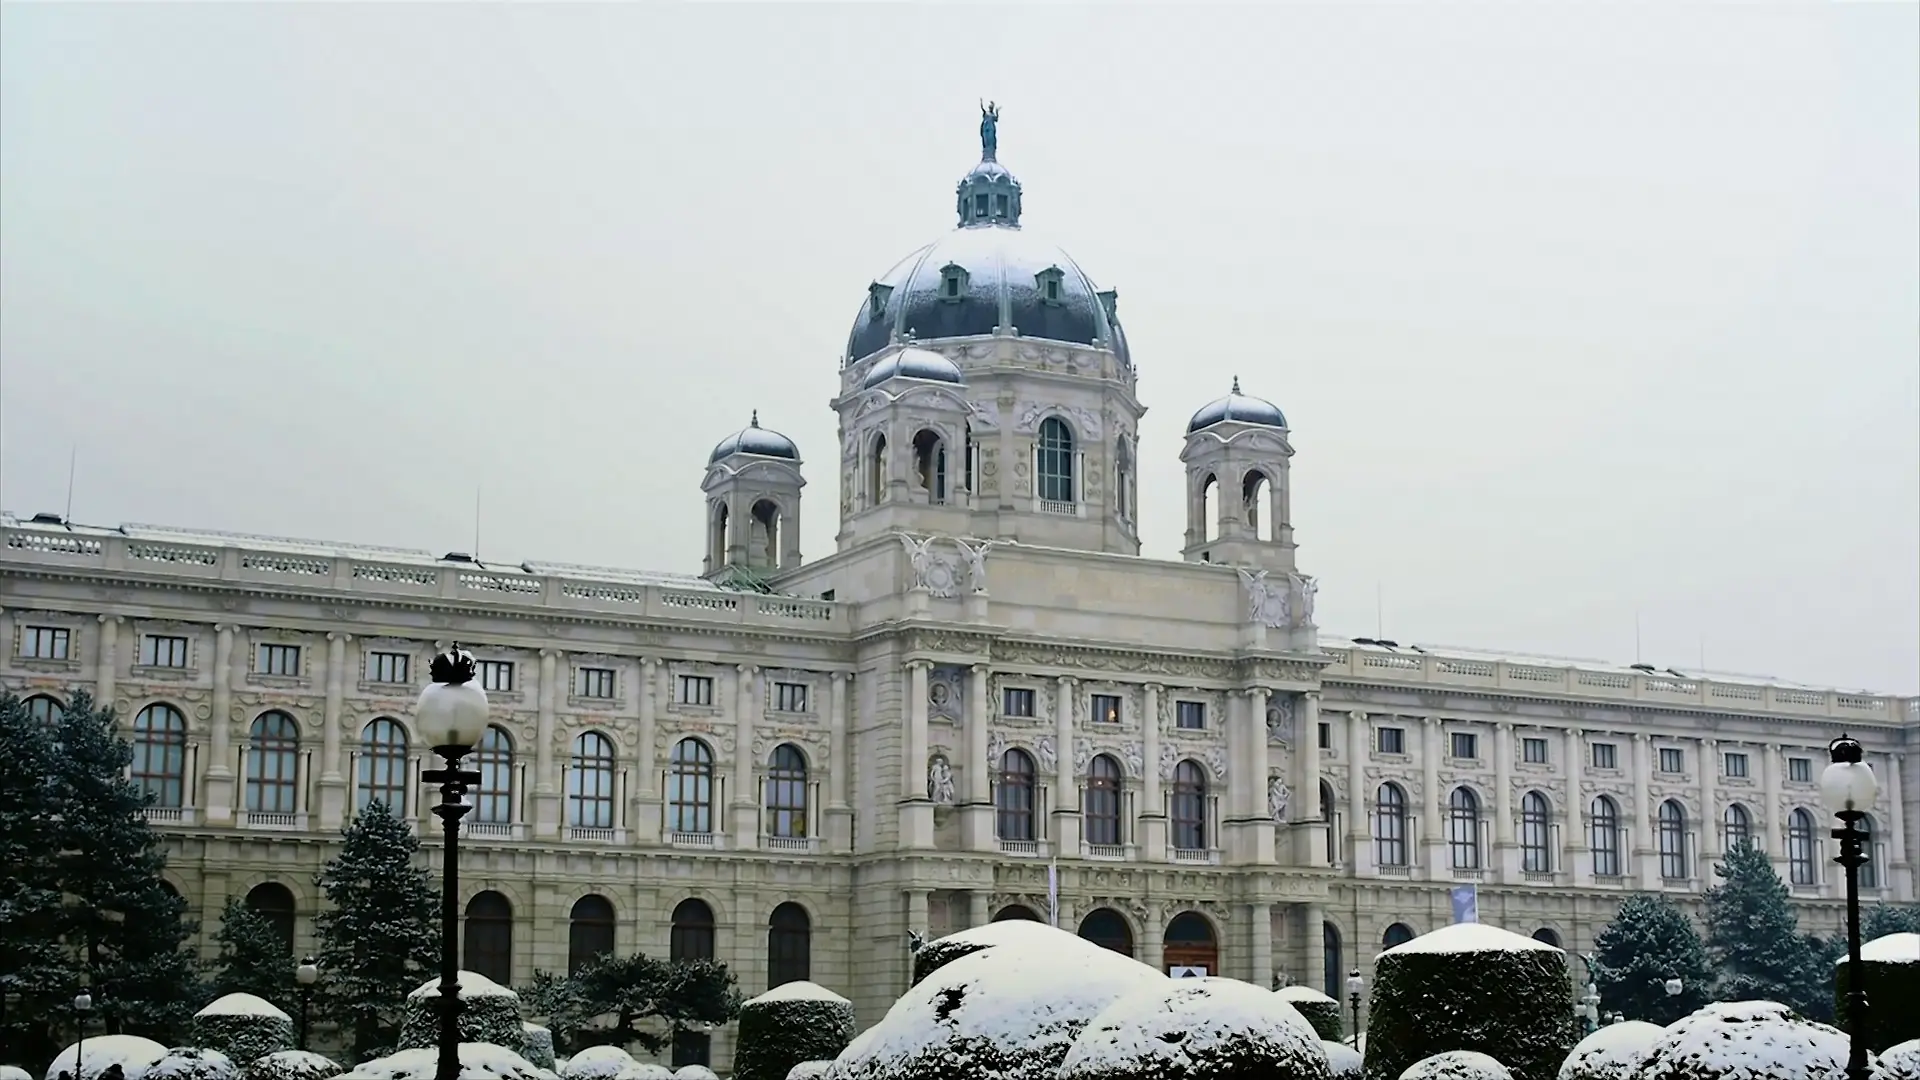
column 1589, row 711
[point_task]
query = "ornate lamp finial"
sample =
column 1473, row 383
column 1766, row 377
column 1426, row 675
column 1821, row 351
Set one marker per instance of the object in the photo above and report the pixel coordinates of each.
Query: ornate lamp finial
column 1236, row 384
column 1846, row 750
column 454, row 667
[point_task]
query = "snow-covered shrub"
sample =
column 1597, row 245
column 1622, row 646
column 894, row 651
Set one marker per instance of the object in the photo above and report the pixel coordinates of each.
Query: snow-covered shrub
column 646, row 1070
column 1019, row 933
column 1457, row 1065
column 792, row 1023
column 538, row 1045
column 1320, row 1010
column 1892, row 969
column 1615, row 1052
column 489, row 1013
column 694, row 1072
column 478, row 1061
column 96, row 1055
column 1475, row 987
column 293, row 1065
column 1344, row 1061
column 243, row 1027
column 998, row 1014
column 806, row 1070
column 1747, row 1040
column 1185, row 1029
column 193, row 1063
column 14, row 1072
column 1900, row 1062
column 598, row 1063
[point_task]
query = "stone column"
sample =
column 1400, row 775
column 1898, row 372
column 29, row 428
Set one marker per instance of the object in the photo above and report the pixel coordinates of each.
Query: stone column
column 1315, row 936
column 746, row 797
column 916, row 809
column 1359, row 791
column 546, row 793
column 1153, row 811
column 1709, row 851
column 109, row 662
column 1640, row 818
column 1575, row 838
column 1772, row 826
column 1259, row 945
column 976, row 807
column 1312, row 848
column 1153, row 937
column 1066, row 791
column 1432, row 822
column 1899, row 869
column 977, row 913
column 1506, row 855
column 333, row 766
column 839, row 814
column 647, row 815
column 220, row 730
column 917, row 917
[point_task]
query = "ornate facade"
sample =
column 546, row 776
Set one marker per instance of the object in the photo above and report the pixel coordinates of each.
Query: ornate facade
column 790, row 764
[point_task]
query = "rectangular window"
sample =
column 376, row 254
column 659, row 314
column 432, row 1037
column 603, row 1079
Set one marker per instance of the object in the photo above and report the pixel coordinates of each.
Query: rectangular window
column 1605, row 756
column 1017, row 701
column 1190, row 715
column 1737, row 766
column 45, row 643
column 1533, row 751
column 1390, row 740
column 1800, row 770
column 1325, row 735
column 597, row 682
column 1466, row 746
column 163, row 650
column 279, row 660
column 388, row 667
column 496, row 675
column 1106, row 708
column 696, row 690
column 790, row 697
column 1672, row 760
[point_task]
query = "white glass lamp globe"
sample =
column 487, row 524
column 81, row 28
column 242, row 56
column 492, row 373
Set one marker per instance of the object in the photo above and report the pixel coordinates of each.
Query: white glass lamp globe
column 452, row 714
column 1848, row 784
column 1355, row 984
column 83, row 1001
column 1674, row 987
column 307, row 973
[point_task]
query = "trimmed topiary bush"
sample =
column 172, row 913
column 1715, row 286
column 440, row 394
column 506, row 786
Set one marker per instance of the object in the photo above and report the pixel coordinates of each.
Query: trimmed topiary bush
column 1197, row 1029
column 537, row 1045
column 694, row 1072
column 132, row 1053
column 1457, row 1065
column 1320, row 1010
column 1018, row 933
column 1900, row 1062
column 598, row 1063
column 792, row 1023
column 1892, row 966
column 14, row 1072
column 1474, row 987
column 1345, row 1062
column 1747, row 1040
column 806, row 1070
column 646, row 1070
column 193, row 1063
column 293, row 1065
column 478, row 1061
column 243, row 1027
column 489, row 1013
column 1615, row 1052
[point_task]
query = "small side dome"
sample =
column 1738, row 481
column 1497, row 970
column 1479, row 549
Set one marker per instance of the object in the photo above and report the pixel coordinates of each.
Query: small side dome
column 758, row 441
column 923, row 364
column 1238, row 408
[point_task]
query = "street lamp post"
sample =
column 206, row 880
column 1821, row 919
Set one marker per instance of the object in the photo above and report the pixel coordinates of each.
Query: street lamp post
column 1355, row 984
column 82, row 1005
column 1848, row 788
column 306, row 975
column 451, row 717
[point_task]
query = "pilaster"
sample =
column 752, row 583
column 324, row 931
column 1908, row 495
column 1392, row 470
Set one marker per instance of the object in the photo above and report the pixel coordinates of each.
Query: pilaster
column 916, row 809
column 108, row 660
column 1311, row 846
column 1575, row 834
column 546, row 794
column 1314, row 936
column 1645, row 862
column 220, row 730
column 976, row 810
column 746, row 802
column 839, row 814
column 1153, row 811
column 647, row 814
column 1066, row 789
column 1709, row 764
column 1359, row 796
column 1506, row 853
column 1433, row 834
column 333, row 768
column 1259, row 963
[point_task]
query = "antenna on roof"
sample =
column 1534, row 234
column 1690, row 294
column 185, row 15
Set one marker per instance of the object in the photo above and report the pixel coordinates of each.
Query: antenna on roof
column 73, row 460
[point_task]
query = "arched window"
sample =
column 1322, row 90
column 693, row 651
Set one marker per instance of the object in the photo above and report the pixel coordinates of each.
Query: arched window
column 1107, row 929
column 383, row 765
column 1736, row 827
column 789, row 945
column 1869, row 870
column 1256, row 500
column 1102, row 820
column 1327, row 804
column 1397, row 934
column 1122, row 479
column 493, row 799
column 1390, row 826
column 1332, row 983
column 1802, row 869
column 590, row 782
column 1672, row 822
column 489, row 941
column 1190, row 946
column 589, row 931
column 1013, row 796
column 692, row 937
column 763, row 545
column 44, row 711
column 1053, row 467
column 1189, row 807
column 1547, row 937
column 1606, row 837
column 690, row 788
column 787, row 794
column 273, row 764
column 1536, row 829
column 930, row 465
column 717, row 537
column 273, row 902
column 1463, row 828
column 160, row 755
column 1017, row 913
column 1209, row 509
column 877, row 472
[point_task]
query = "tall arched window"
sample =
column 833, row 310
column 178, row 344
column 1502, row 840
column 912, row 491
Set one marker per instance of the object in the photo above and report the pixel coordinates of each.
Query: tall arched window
column 273, row 764
column 273, row 902
column 1106, row 928
column 1390, row 826
column 1013, row 796
column 1802, row 869
column 1463, row 828
column 1327, row 804
column 44, row 711
column 589, row 931
column 383, row 765
column 1122, row 478
column 1672, row 825
column 1397, row 934
column 1209, row 506
column 877, row 472
column 1869, row 870
column 160, row 755
column 1736, row 827
column 787, row 794
column 1606, row 837
column 1102, row 820
column 590, row 782
column 1053, row 465
column 692, row 937
column 690, row 788
column 930, row 464
column 1332, row 984
column 1256, row 503
column 1189, row 807
column 493, row 799
column 489, row 937
column 1536, row 829
column 789, row 945
column 1189, row 942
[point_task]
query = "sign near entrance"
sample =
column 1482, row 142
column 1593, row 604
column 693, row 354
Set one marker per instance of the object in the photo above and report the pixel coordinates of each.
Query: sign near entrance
column 1181, row 971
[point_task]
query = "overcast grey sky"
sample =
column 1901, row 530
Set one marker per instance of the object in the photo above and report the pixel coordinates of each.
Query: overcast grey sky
column 1575, row 313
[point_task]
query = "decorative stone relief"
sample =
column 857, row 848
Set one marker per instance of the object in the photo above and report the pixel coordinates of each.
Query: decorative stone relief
column 935, row 571
column 1133, row 756
column 985, row 415
column 940, row 780
column 1169, row 760
column 1022, row 477
column 1047, row 752
column 996, row 749
column 946, row 693
column 1280, row 718
column 1278, row 795
column 1217, row 762
column 1269, row 603
column 1082, row 756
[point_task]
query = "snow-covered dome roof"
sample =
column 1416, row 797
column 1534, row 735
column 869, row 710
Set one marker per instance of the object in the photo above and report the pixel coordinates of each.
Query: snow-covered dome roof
column 923, row 364
column 1470, row 937
column 1240, row 409
column 756, row 440
column 243, row 1005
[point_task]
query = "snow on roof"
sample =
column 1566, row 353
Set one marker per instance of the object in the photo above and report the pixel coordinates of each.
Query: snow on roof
column 1754, row 1040
column 1615, row 1052
column 1457, row 1065
column 1344, row 1060
column 1470, row 937
column 797, row 990
column 1891, row 949
column 472, row 985
column 1300, row 992
column 1180, row 1026
column 243, row 1005
column 478, row 1061
column 131, row 1052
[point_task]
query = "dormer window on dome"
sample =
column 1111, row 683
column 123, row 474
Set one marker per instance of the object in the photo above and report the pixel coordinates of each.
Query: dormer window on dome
column 1050, row 281
column 953, row 282
column 877, row 295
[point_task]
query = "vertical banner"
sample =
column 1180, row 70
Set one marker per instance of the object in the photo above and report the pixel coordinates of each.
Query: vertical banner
column 1053, row 894
column 1466, row 903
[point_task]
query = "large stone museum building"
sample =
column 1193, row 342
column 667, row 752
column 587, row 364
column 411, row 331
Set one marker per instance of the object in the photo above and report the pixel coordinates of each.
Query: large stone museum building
column 791, row 763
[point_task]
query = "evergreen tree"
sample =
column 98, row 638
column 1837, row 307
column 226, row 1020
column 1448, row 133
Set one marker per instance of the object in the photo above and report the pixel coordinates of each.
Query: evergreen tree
column 1753, row 936
column 1648, row 942
column 36, row 973
column 646, row 999
column 128, row 926
column 1883, row 918
column 381, row 939
column 254, row 958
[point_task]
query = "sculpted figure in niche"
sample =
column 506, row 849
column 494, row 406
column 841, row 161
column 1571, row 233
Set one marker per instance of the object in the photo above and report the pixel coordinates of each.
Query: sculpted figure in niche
column 1278, row 795
column 940, row 780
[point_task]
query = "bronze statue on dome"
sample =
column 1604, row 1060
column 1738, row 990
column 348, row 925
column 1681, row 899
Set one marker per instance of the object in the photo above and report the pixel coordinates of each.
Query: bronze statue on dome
column 989, row 130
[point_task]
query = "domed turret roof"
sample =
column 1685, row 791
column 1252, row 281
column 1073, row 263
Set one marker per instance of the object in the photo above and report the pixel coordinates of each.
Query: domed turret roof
column 1238, row 408
column 758, row 441
column 922, row 364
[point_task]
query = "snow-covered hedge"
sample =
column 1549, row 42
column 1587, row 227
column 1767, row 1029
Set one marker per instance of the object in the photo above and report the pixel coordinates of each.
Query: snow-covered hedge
column 598, row 1063
column 243, row 1027
column 95, row 1055
column 14, row 1072
column 489, row 1013
column 1194, row 1028
column 646, row 1070
column 1344, row 1061
column 997, row 1014
column 694, row 1072
column 478, row 1061
column 1615, row 1052
column 293, row 1065
column 806, row 1070
column 1747, row 1040
column 1475, row 987
column 792, row 1023
column 537, row 1043
column 192, row 1063
column 1892, row 969
column 1457, row 1065
column 1019, row 933
column 1900, row 1062
column 1320, row 1010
